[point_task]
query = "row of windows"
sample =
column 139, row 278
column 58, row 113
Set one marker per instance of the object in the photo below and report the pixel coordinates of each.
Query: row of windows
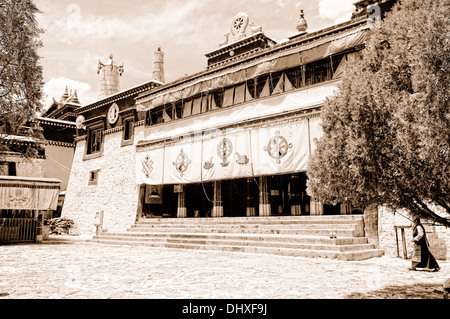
column 95, row 136
column 260, row 87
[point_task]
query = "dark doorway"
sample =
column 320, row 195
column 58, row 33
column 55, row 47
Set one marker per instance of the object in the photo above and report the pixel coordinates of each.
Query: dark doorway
column 199, row 199
column 170, row 201
column 234, row 197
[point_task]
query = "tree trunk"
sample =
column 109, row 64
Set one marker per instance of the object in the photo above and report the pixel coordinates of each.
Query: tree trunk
column 371, row 225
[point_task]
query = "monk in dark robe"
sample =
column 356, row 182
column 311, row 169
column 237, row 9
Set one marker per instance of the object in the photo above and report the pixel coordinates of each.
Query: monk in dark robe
column 422, row 258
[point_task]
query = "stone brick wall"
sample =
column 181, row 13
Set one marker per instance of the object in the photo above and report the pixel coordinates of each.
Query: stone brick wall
column 438, row 236
column 25, row 167
column 116, row 192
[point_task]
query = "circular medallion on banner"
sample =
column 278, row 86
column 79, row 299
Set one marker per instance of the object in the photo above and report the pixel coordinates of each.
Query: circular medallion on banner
column 147, row 166
column 278, row 147
column 182, row 162
column 224, row 149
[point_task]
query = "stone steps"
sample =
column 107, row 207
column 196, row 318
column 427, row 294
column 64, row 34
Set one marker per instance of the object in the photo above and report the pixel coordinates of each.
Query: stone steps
column 206, row 239
column 302, row 236
column 255, row 230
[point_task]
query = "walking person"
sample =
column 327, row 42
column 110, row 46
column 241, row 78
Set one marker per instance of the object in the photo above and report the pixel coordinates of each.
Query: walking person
column 422, row 258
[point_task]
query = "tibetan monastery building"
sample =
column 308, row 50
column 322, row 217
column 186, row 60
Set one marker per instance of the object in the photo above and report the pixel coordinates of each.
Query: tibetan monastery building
column 230, row 141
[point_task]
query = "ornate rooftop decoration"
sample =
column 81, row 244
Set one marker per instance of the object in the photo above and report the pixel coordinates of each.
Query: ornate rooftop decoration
column 238, row 29
column 302, row 25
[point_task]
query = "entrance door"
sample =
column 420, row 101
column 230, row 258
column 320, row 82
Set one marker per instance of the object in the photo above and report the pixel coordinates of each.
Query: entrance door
column 280, row 194
column 199, row 199
column 234, row 197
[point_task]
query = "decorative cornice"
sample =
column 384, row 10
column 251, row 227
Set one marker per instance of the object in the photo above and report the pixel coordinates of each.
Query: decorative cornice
column 95, row 120
column 119, row 96
column 139, row 123
column 56, row 122
column 113, row 130
column 63, row 144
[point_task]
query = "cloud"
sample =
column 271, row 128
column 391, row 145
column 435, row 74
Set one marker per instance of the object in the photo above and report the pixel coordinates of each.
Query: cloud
column 336, row 11
column 55, row 87
column 148, row 24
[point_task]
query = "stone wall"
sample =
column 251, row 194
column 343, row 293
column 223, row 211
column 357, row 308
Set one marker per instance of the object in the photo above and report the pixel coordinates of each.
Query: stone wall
column 438, row 236
column 25, row 167
column 116, row 192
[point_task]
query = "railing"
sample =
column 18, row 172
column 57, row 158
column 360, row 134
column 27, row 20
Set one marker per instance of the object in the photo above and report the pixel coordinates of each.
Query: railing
column 17, row 230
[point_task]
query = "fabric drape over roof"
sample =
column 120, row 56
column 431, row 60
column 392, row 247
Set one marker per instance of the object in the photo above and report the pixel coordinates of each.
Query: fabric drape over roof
column 286, row 59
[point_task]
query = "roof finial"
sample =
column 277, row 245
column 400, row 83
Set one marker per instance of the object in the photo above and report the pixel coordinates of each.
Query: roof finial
column 302, row 25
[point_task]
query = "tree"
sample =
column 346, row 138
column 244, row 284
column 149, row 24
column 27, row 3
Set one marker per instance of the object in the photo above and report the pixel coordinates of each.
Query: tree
column 20, row 73
column 387, row 131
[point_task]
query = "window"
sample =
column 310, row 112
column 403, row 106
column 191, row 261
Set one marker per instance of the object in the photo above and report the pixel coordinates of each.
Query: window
column 251, row 89
column 154, row 116
column 294, row 76
column 262, row 86
column 318, row 72
column 178, row 110
column 276, row 81
column 93, row 177
column 217, row 99
column 8, row 168
column 128, row 129
column 95, row 141
column 12, row 169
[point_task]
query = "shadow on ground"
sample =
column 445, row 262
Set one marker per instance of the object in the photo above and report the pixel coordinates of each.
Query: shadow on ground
column 416, row 291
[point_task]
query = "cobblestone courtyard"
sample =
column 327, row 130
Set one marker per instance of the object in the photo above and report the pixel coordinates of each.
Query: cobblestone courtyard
column 88, row 270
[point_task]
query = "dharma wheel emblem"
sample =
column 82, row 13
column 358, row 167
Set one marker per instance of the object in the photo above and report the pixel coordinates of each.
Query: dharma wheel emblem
column 277, row 147
column 182, row 162
column 147, row 166
column 224, row 149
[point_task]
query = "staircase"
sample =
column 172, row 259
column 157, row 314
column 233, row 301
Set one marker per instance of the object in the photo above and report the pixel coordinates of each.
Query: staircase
column 303, row 236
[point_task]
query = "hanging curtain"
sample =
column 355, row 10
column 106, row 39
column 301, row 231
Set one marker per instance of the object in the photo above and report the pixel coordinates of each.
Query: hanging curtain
column 248, row 96
column 196, row 106
column 149, row 166
column 166, row 116
column 187, row 109
column 287, row 84
column 266, row 90
column 239, row 94
column 212, row 103
column 204, row 103
column 228, row 97
column 279, row 87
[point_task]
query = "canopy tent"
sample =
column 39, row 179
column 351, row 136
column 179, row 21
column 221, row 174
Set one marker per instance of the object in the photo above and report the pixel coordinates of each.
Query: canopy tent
column 28, row 193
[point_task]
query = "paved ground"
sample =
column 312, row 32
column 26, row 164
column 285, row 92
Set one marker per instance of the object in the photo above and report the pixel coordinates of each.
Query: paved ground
column 90, row 270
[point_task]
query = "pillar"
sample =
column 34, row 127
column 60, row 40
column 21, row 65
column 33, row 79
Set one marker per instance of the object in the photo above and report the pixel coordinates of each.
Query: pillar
column 251, row 209
column 296, row 205
column 264, row 204
column 181, row 210
column 316, row 208
column 140, row 206
column 346, row 209
column 217, row 210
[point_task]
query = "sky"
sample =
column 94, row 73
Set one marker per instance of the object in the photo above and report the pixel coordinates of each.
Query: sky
column 79, row 34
